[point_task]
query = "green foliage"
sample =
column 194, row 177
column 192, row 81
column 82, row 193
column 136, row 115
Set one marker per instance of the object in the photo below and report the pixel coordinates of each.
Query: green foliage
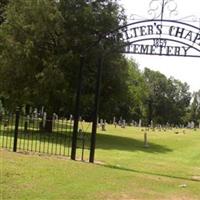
column 41, row 45
column 168, row 99
column 195, row 108
column 41, row 42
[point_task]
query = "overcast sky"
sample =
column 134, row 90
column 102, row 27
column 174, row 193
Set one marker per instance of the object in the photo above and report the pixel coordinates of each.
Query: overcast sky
column 184, row 69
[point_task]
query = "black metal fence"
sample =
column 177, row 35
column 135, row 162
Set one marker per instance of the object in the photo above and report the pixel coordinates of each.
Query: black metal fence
column 25, row 133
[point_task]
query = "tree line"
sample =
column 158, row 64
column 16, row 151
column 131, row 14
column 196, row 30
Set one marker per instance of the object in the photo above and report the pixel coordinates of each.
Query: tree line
column 41, row 42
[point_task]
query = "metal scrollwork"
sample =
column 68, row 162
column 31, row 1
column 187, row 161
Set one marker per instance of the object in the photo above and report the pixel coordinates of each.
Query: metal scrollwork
column 157, row 8
column 172, row 8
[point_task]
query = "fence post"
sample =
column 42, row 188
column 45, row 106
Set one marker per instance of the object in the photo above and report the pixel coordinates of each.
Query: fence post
column 16, row 130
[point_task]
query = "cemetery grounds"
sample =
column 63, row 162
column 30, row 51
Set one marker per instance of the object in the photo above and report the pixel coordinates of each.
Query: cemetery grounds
column 168, row 169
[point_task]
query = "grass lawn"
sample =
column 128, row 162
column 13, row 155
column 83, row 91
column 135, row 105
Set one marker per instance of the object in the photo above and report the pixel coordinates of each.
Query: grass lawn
column 169, row 169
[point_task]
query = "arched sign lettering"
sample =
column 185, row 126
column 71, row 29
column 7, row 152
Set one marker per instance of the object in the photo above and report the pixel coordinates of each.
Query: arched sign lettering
column 166, row 37
column 160, row 36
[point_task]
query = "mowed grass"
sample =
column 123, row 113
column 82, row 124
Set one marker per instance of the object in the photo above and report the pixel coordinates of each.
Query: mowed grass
column 169, row 169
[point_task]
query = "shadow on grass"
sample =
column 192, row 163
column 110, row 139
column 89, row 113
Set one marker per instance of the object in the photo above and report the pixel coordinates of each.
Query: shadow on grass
column 104, row 141
column 146, row 172
column 56, row 143
column 108, row 142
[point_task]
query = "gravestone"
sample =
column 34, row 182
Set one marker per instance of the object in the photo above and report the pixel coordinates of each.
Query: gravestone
column 42, row 110
column 189, row 125
column 140, row 123
column 132, row 123
column 101, row 122
column 114, row 120
column 55, row 116
column 103, row 125
column 151, row 125
column 80, row 119
column 192, row 125
column 35, row 113
column 44, row 119
column 35, row 117
column 123, row 124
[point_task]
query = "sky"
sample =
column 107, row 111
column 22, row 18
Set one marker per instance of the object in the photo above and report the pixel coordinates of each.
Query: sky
column 185, row 69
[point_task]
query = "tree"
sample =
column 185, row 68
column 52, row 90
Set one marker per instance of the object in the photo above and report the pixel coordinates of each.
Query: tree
column 137, row 92
column 41, row 44
column 167, row 100
column 195, row 108
column 157, row 86
column 179, row 98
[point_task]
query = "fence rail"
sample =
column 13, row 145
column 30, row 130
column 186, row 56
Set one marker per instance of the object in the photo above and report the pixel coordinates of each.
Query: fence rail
column 24, row 133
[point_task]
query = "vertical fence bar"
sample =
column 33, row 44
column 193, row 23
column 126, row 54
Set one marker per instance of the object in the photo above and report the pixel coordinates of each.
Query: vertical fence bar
column 83, row 148
column 52, row 142
column 48, row 143
column 11, row 133
column 2, row 131
column 16, row 130
column 28, row 133
column 44, row 142
column 96, row 110
column 24, row 133
column 77, row 110
column 64, row 145
column 7, row 131
column 56, row 145
column 31, row 140
column 61, row 138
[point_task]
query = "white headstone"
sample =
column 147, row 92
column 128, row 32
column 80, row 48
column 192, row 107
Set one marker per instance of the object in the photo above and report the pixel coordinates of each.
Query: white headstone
column 151, row 123
column 44, row 119
column 192, row 125
column 35, row 113
column 123, row 123
column 114, row 120
column 140, row 123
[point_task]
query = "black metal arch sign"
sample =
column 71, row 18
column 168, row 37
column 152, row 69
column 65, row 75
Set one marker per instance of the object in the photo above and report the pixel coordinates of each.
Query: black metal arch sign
column 162, row 37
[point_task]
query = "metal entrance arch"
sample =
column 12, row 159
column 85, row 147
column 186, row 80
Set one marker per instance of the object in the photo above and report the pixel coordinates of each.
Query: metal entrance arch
column 161, row 37
column 156, row 36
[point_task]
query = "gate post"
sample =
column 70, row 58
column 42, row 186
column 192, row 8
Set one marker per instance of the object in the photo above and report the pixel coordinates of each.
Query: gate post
column 96, row 110
column 16, row 130
column 77, row 110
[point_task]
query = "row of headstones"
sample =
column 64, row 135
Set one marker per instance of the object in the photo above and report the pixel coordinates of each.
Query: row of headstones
column 122, row 123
